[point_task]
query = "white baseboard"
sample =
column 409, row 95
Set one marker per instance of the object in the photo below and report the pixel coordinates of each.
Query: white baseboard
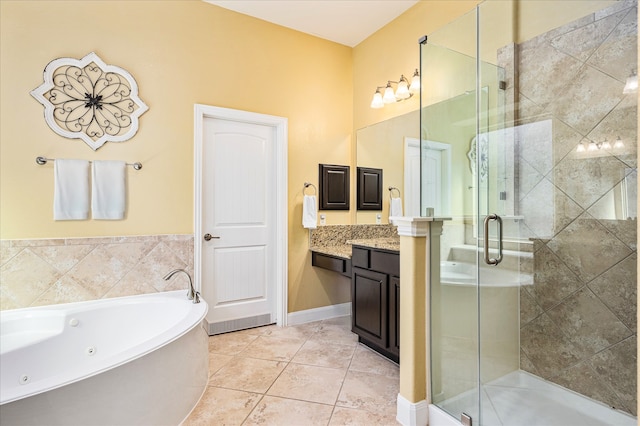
column 412, row 414
column 319, row 314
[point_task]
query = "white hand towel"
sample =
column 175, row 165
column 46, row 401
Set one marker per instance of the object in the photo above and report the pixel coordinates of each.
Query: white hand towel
column 395, row 207
column 71, row 190
column 108, row 190
column 309, row 212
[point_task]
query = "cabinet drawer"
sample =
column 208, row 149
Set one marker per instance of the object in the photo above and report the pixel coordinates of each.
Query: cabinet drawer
column 360, row 257
column 389, row 263
column 331, row 263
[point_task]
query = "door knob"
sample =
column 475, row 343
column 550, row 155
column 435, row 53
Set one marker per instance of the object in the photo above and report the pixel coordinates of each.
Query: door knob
column 208, row 237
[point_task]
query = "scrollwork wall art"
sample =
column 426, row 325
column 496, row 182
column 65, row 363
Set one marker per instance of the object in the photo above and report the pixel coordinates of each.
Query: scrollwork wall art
column 90, row 100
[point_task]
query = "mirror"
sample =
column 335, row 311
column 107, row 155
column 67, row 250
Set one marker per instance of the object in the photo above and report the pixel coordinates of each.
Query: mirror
column 394, row 146
column 382, row 146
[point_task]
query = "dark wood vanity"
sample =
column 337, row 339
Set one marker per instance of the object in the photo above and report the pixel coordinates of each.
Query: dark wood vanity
column 370, row 256
column 375, row 299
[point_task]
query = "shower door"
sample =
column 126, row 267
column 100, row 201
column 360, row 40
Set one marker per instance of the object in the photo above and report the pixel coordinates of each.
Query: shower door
column 475, row 299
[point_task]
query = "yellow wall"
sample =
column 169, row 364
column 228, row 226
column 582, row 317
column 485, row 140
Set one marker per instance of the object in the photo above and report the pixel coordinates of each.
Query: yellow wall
column 187, row 52
column 180, row 53
column 394, row 50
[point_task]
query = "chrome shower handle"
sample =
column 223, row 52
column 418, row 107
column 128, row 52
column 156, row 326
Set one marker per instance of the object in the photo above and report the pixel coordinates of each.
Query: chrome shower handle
column 487, row 259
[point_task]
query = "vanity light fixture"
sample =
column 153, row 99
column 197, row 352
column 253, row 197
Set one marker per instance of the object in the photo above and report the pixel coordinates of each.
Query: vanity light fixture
column 594, row 146
column 631, row 85
column 404, row 91
column 618, row 143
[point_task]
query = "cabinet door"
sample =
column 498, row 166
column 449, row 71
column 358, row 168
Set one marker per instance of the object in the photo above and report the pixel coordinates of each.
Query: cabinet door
column 369, row 188
column 394, row 315
column 334, row 187
column 369, row 305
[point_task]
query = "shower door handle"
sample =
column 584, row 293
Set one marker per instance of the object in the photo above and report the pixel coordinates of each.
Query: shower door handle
column 487, row 259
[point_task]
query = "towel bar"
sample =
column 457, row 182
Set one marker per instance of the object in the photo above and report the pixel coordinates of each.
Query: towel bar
column 43, row 160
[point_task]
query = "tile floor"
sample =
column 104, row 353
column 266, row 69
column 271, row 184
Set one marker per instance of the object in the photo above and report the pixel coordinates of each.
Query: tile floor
column 309, row 374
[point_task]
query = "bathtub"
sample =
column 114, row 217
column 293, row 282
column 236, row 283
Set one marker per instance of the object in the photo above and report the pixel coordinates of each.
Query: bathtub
column 461, row 273
column 122, row 361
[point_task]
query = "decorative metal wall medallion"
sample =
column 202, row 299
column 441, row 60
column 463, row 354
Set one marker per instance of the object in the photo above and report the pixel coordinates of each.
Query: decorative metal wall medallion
column 90, row 100
column 483, row 150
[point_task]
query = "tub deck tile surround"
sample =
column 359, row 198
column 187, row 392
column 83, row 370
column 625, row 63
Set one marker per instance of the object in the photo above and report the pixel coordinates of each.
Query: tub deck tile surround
column 39, row 272
column 329, row 380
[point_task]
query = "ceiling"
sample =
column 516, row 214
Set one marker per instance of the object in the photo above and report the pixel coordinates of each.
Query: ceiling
column 346, row 22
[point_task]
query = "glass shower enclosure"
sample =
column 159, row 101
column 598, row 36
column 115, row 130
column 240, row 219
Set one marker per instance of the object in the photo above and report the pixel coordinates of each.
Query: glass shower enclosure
column 529, row 145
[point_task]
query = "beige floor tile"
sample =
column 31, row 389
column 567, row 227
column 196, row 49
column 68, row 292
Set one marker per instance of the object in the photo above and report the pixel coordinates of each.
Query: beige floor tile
column 276, row 348
column 324, row 354
column 217, row 361
column 230, row 343
column 255, row 331
column 370, row 392
column 335, row 334
column 222, row 407
column 350, row 417
column 279, row 412
column 247, row 374
column 367, row 361
column 302, row 331
column 309, row 383
column 344, row 321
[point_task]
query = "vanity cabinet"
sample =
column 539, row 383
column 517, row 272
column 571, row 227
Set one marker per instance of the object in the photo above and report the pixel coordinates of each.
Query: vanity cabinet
column 375, row 299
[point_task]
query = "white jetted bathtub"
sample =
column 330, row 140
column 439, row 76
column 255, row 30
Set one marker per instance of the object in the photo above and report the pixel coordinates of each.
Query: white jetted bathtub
column 138, row 360
column 461, row 273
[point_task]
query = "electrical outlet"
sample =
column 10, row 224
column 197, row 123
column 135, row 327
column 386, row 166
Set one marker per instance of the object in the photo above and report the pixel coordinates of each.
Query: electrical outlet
column 378, row 219
column 323, row 219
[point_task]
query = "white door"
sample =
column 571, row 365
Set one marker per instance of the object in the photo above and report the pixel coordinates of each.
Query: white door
column 239, row 215
column 432, row 180
column 435, row 177
column 412, row 177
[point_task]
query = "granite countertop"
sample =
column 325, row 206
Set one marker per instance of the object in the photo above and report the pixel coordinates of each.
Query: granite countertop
column 344, row 250
column 392, row 243
column 338, row 250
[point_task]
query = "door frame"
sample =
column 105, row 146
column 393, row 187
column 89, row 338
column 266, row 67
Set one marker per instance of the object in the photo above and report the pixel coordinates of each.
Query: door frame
column 280, row 127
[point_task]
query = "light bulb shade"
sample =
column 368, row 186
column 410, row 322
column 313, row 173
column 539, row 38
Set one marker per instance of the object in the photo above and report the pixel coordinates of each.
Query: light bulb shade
column 580, row 147
column 377, row 102
column 606, row 144
column 592, row 146
column 403, row 89
column 389, row 97
column 632, row 84
column 415, row 83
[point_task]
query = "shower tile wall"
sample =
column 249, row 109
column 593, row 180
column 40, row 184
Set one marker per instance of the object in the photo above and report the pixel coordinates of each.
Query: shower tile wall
column 578, row 319
column 52, row 271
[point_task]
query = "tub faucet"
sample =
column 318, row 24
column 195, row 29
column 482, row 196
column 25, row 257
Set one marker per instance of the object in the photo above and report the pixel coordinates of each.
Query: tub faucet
column 191, row 293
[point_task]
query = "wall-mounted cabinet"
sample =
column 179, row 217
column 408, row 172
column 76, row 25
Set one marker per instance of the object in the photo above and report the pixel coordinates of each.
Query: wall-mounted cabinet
column 334, row 187
column 369, row 188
